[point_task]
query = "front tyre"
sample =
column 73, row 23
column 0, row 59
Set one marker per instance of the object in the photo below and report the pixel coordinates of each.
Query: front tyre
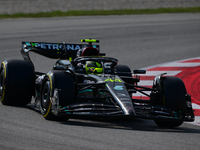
column 173, row 97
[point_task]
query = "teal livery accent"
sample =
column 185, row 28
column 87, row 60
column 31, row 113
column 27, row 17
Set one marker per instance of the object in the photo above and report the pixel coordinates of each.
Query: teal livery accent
column 87, row 90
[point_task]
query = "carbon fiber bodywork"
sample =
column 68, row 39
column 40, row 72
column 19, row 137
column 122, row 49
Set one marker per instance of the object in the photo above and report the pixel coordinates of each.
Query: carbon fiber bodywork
column 106, row 95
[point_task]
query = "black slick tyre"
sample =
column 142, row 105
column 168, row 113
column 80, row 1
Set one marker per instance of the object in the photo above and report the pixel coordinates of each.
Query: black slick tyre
column 64, row 83
column 173, row 93
column 16, row 82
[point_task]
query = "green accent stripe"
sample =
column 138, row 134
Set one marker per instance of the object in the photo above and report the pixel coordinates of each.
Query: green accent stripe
column 101, row 12
column 89, row 40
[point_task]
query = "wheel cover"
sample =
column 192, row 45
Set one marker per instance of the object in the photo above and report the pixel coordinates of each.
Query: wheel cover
column 45, row 97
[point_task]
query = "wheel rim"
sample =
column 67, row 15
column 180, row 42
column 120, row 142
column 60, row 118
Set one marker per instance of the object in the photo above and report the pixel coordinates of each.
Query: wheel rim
column 1, row 83
column 45, row 97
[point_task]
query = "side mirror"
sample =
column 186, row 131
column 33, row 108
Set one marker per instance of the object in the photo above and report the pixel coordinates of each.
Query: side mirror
column 139, row 71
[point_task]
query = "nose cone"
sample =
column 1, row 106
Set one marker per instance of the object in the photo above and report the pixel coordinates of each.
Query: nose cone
column 128, row 109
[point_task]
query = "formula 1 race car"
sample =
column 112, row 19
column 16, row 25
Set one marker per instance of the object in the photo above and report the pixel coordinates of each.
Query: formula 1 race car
column 85, row 83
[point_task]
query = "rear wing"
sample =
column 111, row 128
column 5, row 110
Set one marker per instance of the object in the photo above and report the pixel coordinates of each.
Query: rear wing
column 53, row 50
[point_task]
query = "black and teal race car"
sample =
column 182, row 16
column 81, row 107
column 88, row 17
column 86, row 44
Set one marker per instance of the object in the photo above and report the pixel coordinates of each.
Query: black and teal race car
column 69, row 91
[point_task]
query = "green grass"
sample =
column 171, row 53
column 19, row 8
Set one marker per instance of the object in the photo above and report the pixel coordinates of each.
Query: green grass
column 102, row 12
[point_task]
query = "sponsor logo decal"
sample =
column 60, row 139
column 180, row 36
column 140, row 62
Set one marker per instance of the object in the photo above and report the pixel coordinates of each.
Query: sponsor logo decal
column 118, row 87
column 122, row 95
column 47, row 46
column 54, row 46
column 111, row 80
column 73, row 47
column 124, row 99
column 89, row 81
column 28, row 44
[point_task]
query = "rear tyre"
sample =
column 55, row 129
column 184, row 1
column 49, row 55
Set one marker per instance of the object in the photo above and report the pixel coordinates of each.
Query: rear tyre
column 16, row 82
column 65, row 85
column 174, row 91
column 123, row 70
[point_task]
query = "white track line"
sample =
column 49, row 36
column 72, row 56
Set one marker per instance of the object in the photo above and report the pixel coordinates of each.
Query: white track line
column 167, row 64
column 146, row 83
column 195, row 106
column 178, row 64
column 154, row 73
column 196, row 121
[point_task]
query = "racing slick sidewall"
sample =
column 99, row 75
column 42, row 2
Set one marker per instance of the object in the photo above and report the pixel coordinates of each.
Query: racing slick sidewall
column 17, row 82
column 60, row 92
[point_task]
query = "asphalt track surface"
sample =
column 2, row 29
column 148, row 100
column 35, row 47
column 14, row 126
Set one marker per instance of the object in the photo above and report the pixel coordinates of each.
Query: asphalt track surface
column 136, row 40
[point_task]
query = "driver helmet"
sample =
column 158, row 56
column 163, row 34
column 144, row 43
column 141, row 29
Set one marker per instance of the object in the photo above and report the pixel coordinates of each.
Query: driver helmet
column 92, row 67
column 87, row 51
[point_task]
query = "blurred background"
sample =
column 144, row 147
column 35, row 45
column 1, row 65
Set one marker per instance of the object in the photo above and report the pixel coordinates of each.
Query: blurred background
column 35, row 6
